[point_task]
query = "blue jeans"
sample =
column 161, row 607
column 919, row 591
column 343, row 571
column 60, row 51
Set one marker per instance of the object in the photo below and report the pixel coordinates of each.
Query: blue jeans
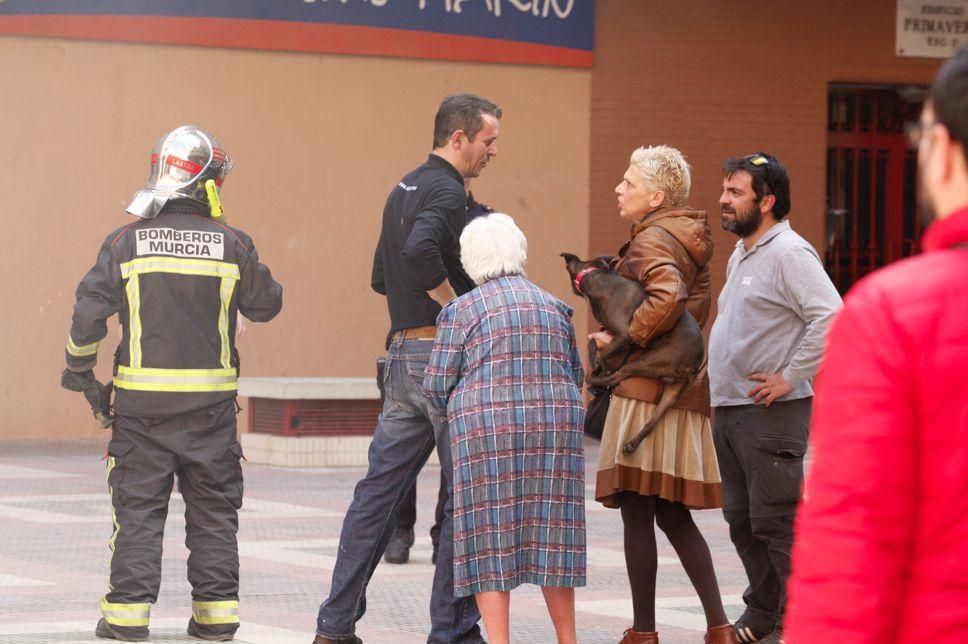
column 406, row 432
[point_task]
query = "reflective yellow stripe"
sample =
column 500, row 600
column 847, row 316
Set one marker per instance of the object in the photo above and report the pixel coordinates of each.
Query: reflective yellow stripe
column 206, row 267
column 133, row 289
column 176, row 379
column 225, row 291
column 114, row 515
column 125, row 614
column 227, row 272
column 81, row 351
column 223, row 612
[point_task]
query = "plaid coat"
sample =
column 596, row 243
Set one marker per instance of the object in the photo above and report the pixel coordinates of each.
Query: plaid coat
column 506, row 369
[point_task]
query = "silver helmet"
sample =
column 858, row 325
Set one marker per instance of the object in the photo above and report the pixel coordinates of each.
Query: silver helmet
column 181, row 162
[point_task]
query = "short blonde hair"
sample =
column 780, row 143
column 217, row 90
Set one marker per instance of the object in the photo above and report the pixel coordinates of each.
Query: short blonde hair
column 664, row 168
column 492, row 246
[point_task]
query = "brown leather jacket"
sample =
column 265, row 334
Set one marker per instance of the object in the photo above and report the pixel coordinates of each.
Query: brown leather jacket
column 668, row 254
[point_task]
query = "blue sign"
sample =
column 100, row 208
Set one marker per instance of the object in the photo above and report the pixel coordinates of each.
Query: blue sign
column 552, row 32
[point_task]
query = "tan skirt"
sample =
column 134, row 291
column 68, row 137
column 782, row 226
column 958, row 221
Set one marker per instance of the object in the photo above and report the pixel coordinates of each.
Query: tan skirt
column 676, row 462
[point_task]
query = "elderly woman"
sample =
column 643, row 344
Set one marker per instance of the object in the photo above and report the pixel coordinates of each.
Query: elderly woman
column 506, row 371
column 675, row 468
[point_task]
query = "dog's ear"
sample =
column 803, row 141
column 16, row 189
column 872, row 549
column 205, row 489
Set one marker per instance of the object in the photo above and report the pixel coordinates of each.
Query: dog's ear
column 603, row 261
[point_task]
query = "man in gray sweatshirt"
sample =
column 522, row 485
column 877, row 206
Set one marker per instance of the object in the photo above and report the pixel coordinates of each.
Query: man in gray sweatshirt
column 764, row 350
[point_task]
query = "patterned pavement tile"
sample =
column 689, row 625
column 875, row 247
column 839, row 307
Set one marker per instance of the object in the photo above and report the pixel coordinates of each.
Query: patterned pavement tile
column 54, row 559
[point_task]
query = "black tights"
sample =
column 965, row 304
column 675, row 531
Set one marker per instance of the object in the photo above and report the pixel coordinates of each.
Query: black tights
column 639, row 515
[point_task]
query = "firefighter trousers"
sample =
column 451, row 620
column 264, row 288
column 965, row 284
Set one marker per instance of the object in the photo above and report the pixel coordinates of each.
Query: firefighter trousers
column 145, row 456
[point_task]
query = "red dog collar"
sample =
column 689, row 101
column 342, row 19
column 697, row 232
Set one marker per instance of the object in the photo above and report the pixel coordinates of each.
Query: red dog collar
column 582, row 273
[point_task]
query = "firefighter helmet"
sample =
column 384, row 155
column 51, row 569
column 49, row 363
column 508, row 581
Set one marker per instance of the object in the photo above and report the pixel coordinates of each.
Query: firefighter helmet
column 181, row 162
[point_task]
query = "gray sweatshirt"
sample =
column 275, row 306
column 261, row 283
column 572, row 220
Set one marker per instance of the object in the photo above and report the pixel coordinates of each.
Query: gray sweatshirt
column 774, row 312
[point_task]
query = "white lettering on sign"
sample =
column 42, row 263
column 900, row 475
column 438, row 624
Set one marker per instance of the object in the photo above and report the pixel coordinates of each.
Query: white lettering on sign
column 931, row 29
column 180, row 243
column 375, row 3
column 539, row 8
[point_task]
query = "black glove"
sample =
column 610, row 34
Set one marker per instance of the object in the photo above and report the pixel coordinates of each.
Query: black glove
column 98, row 396
column 77, row 380
column 103, row 414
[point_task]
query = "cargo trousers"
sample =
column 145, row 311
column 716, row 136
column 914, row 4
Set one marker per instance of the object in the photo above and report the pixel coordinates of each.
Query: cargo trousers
column 761, row 451
column 145, row 456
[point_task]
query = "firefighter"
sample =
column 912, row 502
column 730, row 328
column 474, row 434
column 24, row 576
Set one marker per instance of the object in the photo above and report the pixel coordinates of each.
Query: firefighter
column 178, row 277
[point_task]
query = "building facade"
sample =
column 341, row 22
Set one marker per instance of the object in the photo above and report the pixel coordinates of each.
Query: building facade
column 320, row 138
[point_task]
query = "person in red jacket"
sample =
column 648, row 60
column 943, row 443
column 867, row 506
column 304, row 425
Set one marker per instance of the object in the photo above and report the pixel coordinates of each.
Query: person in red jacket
column 881, row 549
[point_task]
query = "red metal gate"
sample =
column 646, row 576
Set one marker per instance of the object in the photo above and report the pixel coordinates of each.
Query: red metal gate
column 872, row 216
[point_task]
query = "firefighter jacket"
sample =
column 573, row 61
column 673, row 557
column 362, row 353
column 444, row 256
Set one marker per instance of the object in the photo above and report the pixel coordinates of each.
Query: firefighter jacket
column 177, row 282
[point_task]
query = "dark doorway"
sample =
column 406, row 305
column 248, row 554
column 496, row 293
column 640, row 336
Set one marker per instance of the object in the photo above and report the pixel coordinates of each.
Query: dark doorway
column 872, row 209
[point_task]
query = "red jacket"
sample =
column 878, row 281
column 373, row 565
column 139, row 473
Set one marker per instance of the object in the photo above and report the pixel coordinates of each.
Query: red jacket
column 881, row 548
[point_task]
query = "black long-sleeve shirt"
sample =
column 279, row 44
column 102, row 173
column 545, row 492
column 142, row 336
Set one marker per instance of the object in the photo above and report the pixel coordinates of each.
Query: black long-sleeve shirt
column 419, row 244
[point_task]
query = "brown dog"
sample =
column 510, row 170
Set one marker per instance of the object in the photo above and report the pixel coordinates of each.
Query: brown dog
column 675, row 357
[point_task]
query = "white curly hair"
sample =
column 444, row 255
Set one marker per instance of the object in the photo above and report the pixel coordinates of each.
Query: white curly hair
column 493, row 246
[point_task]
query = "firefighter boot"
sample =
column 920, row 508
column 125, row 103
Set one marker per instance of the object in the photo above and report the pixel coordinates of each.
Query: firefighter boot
column 201, row 633
column 122, row 633
column 215, row 621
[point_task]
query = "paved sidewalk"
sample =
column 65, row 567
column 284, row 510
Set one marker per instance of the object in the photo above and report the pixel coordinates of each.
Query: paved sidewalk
column 54, row 559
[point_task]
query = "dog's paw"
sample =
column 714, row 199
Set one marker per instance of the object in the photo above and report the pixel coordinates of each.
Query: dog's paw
column 630, row 447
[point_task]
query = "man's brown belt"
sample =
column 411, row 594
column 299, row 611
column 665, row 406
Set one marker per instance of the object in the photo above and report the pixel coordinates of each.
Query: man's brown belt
column 416, row 333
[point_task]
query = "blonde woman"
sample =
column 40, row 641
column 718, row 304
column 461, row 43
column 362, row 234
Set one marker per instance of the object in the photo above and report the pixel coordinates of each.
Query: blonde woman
column 675, row 468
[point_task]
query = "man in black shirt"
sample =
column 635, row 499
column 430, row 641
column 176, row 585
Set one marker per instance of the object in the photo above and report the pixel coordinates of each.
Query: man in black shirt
column 398, row 550
column 417, row 266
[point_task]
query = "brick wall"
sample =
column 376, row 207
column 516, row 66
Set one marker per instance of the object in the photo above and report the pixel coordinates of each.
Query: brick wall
column 720, row 79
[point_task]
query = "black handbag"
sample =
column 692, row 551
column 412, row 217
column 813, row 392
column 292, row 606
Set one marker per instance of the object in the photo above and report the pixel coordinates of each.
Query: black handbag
column 597, row 411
